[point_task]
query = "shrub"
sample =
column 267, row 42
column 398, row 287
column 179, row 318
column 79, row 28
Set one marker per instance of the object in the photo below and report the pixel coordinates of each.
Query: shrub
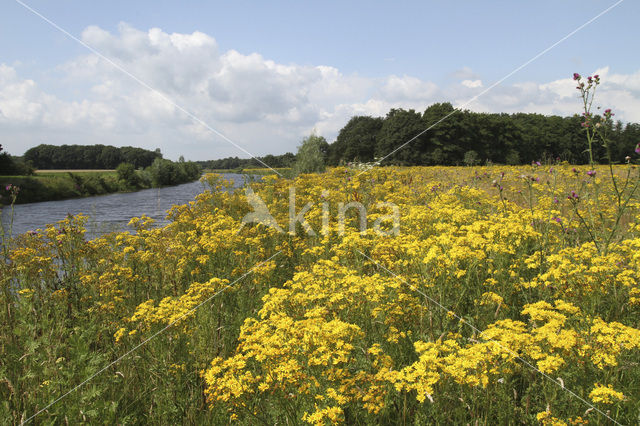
column 127, row 174
column 310, row 158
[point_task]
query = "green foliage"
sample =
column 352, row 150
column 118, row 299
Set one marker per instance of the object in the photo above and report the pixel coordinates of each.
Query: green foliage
column 356, row 141
column 311, row 155
column 6, row 164
column 166, row 172
column 60, row 186
column 127, row 174
column 88, row 156
column 499, row 138
column 10, row 165
column 399, row 127
column 471, row 158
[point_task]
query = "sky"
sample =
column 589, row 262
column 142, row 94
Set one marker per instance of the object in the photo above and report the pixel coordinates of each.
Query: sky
column 215, row 79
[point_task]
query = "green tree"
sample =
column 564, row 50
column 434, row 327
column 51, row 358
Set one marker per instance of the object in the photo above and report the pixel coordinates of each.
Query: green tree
column 6, row 163
column 109, row 158
column 398, row 138
column 471, row 158
column 10, row 165
column 127, row 173
column 310, row 158
column 356, row 141
column 442, row 143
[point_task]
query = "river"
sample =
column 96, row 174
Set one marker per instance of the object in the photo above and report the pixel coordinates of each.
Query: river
column 109, row 212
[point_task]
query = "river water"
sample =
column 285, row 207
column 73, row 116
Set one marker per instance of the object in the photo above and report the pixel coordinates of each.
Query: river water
column 108, row 212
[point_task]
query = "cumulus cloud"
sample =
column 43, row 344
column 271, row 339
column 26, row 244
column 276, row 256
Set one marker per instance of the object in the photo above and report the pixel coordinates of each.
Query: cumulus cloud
column 264, row 106
column 472, row 83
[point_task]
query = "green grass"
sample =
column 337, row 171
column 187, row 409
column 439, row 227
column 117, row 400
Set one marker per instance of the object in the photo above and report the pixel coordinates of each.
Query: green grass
column 57, row 173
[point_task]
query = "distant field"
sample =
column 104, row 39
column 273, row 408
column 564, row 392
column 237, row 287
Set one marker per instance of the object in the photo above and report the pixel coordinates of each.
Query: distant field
column 252, row 171
column 75, row 171
column 62, row 173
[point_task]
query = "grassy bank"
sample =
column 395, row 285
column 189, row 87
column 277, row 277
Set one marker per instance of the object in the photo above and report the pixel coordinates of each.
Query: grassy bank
column 59, row 185
column 51, row 185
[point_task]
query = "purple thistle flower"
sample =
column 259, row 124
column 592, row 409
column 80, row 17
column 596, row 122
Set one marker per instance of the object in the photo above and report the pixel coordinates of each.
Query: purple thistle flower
column 591, row 173
column 638, row 149
column 576, row 76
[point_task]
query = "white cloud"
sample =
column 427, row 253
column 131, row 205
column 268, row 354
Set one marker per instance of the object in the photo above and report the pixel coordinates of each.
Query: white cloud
column 472, row 84
column 264, row 106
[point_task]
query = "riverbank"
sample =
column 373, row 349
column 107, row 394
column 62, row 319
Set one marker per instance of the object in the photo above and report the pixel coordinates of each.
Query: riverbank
column 263, row 171
column 55, row 185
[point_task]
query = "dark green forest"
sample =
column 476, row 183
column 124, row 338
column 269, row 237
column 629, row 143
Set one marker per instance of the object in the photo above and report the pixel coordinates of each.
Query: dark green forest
column 467, row 137
column 88, row 156
column 463, row 138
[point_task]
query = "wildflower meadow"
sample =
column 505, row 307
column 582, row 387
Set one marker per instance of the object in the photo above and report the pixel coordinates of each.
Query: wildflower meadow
column 502, row 295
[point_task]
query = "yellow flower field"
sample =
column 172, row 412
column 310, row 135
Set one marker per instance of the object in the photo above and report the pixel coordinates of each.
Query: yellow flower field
column 506, row 295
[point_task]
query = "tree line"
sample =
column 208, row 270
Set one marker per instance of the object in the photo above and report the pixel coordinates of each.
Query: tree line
column 466, row 137
column 88, row 156
column 229, row 163
column 463, row 138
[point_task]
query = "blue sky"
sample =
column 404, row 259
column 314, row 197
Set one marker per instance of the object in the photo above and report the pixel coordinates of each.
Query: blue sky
column 265, row 74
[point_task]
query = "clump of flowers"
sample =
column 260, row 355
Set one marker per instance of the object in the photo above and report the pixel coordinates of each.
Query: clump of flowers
column 605, row 394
